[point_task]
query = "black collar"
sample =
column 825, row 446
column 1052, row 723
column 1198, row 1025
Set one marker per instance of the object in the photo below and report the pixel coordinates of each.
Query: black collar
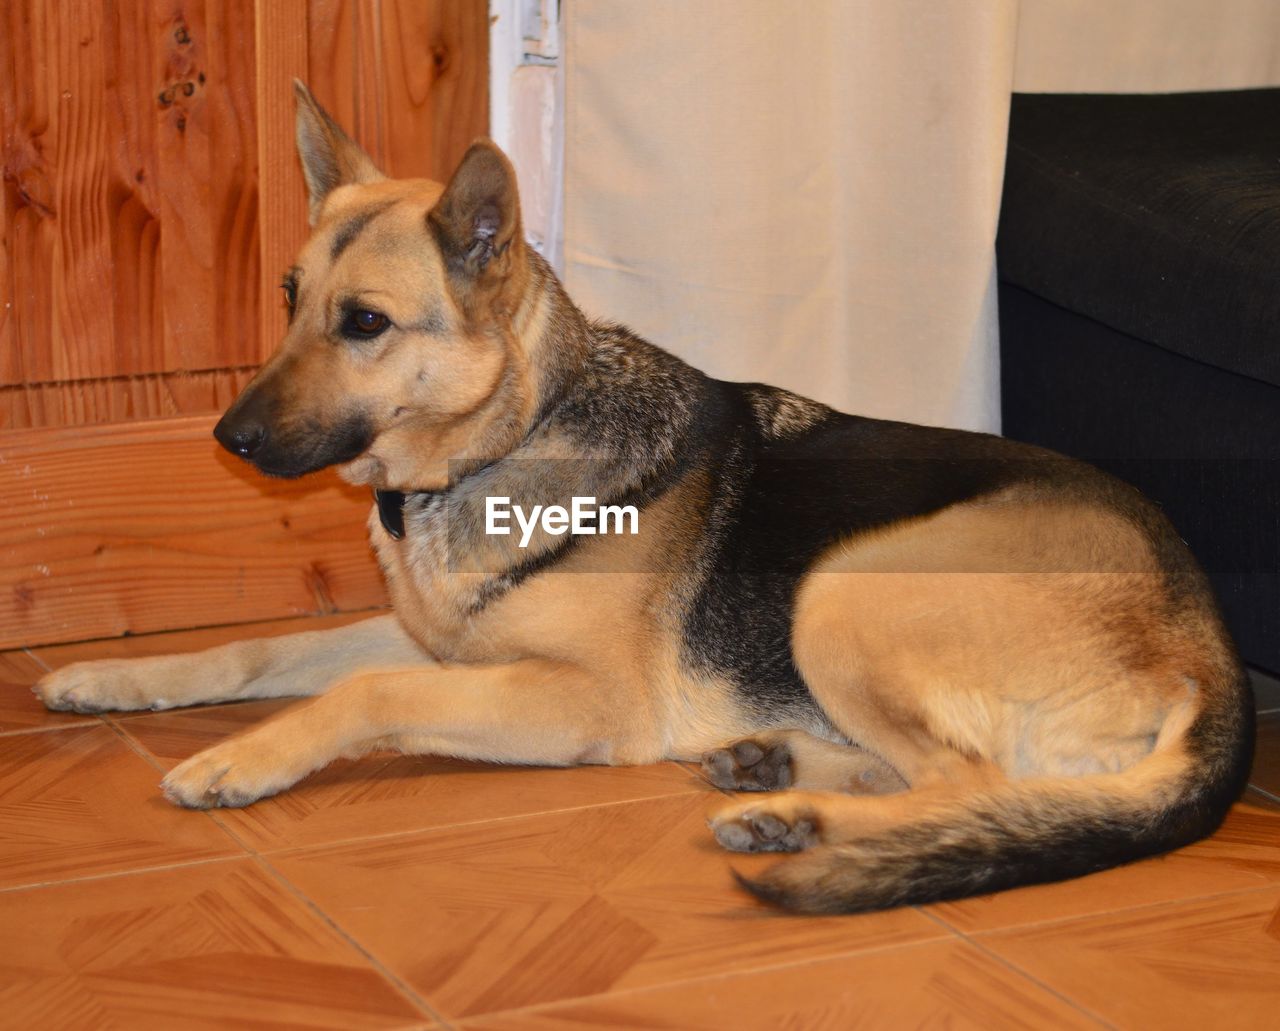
column 391, row 511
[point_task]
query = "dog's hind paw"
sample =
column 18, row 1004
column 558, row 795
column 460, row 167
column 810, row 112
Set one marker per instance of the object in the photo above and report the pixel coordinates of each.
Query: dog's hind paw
column 776, row 825
column 752, row 764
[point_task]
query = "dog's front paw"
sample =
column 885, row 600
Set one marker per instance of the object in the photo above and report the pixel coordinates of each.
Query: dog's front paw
column 235, row 773
column 108, row 685
column 752, row 764
column 784, row 823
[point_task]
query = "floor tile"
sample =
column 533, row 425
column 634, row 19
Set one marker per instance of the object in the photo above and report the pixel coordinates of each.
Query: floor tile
column 80, row 802
column 940, row 984
column 213, row 946
column 1266, row 760
column 1244, row 854
column 19, row 708
column 1209, row 963
column 519, row 912
column 19, row 668
column 384, row 794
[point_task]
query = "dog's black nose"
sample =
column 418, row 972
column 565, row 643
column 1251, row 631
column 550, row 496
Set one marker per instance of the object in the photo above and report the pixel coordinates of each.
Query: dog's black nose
column 242, row 437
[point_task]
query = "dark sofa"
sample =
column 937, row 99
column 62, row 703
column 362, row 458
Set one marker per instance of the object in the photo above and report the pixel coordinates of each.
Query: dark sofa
column 1139, row 263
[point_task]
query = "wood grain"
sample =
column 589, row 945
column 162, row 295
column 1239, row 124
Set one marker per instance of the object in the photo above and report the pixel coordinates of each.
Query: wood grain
column 148, row 526
column 214, row 945
column 130, row 167
column 120, row 399
column 539, row 909
column 947, row 984
column 152, row 197
column 281, row 36
column 408, row 78
column 1208, row 963
column 92, row 793
column 151, row 200
column 435, row 69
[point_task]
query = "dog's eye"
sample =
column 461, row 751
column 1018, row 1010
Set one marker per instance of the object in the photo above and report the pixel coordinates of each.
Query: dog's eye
column 290, row 288
column 364, row 323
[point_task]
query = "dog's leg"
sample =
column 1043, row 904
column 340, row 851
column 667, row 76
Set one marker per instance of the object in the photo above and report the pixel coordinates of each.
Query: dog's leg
column 296, row 664
column 526, row 712
column 775, row 759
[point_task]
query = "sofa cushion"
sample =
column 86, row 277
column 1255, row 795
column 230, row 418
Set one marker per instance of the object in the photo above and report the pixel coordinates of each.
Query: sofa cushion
column 1155, row 214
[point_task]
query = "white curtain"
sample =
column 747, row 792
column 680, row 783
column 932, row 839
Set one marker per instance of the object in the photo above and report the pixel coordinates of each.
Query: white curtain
column 805, row 192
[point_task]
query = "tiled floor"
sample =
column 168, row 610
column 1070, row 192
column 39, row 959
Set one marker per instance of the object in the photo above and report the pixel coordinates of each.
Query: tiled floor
column 413, row 893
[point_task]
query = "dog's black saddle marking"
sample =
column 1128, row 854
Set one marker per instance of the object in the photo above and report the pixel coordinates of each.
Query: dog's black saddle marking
column 391, row 511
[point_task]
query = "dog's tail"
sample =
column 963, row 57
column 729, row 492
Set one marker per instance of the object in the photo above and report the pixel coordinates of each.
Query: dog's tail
column 949, row 846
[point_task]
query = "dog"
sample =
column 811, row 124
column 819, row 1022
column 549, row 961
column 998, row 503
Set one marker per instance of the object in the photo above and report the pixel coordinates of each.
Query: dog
column 954, row 663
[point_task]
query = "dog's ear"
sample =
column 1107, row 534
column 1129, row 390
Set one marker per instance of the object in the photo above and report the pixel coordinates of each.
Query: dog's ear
column 330, row 158
column 476, row 221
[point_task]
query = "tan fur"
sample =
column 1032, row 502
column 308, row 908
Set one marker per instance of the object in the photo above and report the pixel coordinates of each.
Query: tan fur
column 965, row 624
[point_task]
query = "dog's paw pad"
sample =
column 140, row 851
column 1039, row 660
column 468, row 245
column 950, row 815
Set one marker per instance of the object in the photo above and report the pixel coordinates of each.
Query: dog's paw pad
column 760, row 830
column 752, row 764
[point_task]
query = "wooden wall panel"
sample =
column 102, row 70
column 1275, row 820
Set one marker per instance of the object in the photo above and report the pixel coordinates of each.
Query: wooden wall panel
column 130, row 158
column 408, row 78
column 149, row 526
column 120, row 399
column 436, row 68
column 281, row 34
column 151, row 200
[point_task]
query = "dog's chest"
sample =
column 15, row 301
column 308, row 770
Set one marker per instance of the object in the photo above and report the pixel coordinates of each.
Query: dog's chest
column 434, row 585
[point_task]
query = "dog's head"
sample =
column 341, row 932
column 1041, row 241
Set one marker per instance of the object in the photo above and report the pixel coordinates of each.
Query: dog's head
column 408, row 315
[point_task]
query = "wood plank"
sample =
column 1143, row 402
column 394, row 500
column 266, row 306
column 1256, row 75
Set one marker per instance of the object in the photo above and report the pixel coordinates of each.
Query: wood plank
column 148, row 526
column 282, row 45
column 51, row 106
column 207, row 172
column 408, row 79
column 344, row 51
column 435, row 71
column 8, row 188
column 89, row 402
column 130, row 160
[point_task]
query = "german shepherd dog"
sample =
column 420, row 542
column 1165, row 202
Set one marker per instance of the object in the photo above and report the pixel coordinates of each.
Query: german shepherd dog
column 958, row 663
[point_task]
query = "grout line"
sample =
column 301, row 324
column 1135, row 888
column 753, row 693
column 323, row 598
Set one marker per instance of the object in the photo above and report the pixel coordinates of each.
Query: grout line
column 390, row 976
column 89, row 721
column 1123, row 910
column 253, row 855
column 137, row 749
column 122, row 873
column 721, row 976
column 513, row 817
column 155, row 764
column 1019, row 972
